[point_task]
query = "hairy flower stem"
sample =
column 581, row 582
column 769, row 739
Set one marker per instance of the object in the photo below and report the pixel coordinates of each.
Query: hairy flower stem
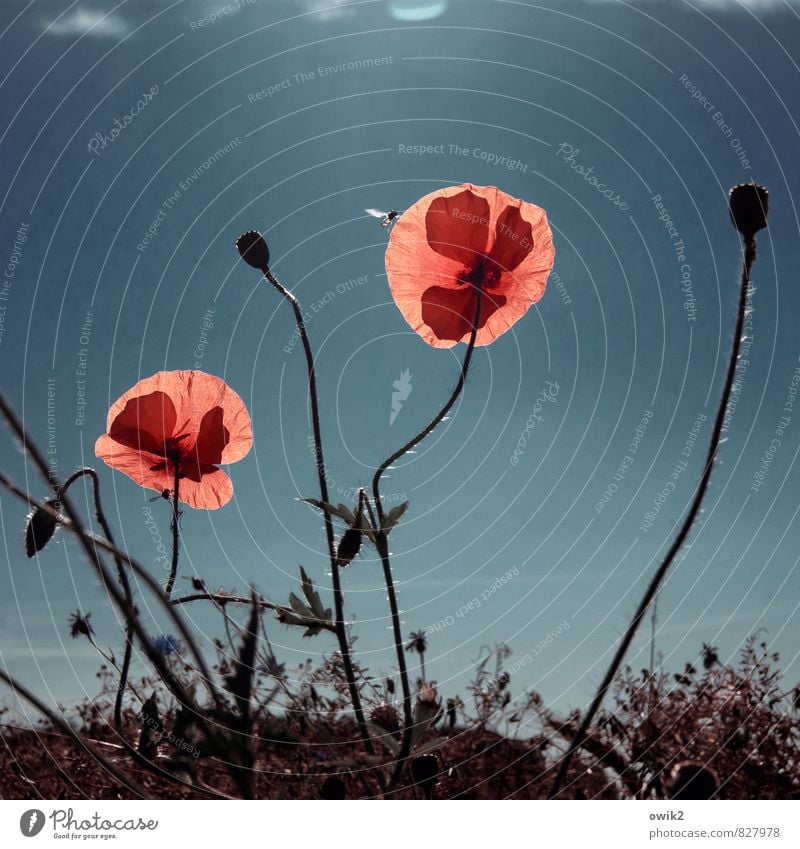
column 176, row 532
column 124, row 583
column 91, row 545
column 677, row 543
column 319, row 462
column 382, row 543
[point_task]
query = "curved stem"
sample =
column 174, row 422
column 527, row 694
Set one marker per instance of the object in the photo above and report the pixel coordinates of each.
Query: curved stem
column 91, row 543
column 176, row 532
column 319, row 462
column 67, row 730
column 677, row 543
column 382, row 543
column 124, row 583
column 412, row 443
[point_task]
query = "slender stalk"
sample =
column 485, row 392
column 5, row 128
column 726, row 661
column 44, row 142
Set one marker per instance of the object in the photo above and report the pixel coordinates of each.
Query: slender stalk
column 68, row 731
column 382, row 542
column 338, row 596
column 176, row 532
column 412, row 443
column 124, row 583
column 691, row 515
column 91, row 540
column 90, row 544
column 219, row 598
column 59, row 722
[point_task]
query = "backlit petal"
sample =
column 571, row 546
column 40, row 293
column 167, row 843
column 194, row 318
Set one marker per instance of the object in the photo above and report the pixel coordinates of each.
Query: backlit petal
column 513, row 239
column 145, row 422
column 212, row 438
column 449, row 313
column 414, row 268
column 195, row 412
column 147, row 469
column 213, row 490
column 457, row 226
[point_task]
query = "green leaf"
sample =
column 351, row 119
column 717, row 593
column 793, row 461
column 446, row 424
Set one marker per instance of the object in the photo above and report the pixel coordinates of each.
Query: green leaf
column 340, row 511
column 312, row 597
column 240, row 683
column 394, row 516
column 298, row 607
column 314, row 617
column 345, row 513
column 367, row 529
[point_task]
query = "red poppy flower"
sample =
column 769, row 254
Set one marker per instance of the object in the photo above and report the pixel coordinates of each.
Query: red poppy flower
column 455, row 241
column 185, row 419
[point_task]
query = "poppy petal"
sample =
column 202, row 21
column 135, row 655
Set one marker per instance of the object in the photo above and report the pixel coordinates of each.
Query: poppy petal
column 197, row 393
column 513, row 239
column 449, row 313
column 214, row 428
column 145, row 468
column 212, row 438
column 414, row 266
column 145, row 422
column 209, row 490
column 457, row 226
column 194, row 393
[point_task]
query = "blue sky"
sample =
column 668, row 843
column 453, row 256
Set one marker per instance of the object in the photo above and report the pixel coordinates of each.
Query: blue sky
column 266, row 115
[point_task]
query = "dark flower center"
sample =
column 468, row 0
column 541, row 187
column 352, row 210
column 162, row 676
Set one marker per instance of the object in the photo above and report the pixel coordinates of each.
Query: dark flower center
column 483, row 274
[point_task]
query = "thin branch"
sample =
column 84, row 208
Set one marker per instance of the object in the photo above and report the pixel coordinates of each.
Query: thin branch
column 60, row 722
column 382, row 542
column 319, row 462
column 176, row 532
column 222, row 599
column 90, row 543
column 124, row 583
column 677, row 543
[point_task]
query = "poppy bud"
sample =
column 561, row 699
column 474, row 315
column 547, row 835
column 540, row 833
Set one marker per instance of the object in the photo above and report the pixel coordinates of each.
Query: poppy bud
column 333, row 788
column 40, row 528
column 349, row 546
column 253, row 250
column 749, row 204
column 692, row 781
column 425, row 772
